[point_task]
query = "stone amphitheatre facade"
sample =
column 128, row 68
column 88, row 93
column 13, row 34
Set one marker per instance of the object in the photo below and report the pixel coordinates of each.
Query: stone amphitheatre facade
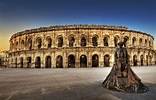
column 75, row 46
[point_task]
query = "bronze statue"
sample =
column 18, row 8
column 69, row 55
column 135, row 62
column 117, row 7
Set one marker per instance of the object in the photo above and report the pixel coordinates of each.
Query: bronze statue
column 122, row 78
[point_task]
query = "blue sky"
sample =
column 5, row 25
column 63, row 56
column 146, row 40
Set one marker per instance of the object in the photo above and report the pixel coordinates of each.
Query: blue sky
column 19, row 15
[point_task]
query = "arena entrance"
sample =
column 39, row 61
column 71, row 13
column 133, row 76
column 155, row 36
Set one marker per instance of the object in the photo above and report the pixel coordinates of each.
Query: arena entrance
column 48, row 62
column 38, row 62
column 71, row 61
column 106, row 61
column 21, row 62
column 29, row 62
column 134, row 60
column 95, row 60
column 59, row 62
column 83, row 61
column 142, row 60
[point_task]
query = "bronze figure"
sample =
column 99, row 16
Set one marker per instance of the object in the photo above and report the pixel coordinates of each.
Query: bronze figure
column 122, row 78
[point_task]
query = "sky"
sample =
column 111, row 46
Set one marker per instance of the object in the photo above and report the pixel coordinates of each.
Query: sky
column 20, row 15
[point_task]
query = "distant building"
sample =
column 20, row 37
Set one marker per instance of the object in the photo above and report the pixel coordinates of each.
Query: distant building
column 4, row 58
column 78, row 46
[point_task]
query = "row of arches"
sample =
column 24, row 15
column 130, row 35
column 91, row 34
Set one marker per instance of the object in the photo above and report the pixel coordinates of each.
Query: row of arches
column 59, row 61
column 83, row 61
column 83, row 41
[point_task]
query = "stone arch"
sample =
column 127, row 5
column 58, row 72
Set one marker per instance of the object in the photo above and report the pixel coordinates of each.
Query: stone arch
column 150, row 60
column 22, row 43
column 106, row 60
column 83, row 41
column 29, row 60
column 135, row 60
column 95, row 40
column 21, row 62
column 106, row 40
column 146, row 59
column 30, row 43
column 48, row 62
column 145, row 42
column 71, row 61
column 59, row 61
column 71, row 40
column 95, row 60
column 39, row 42
column 140, row 41
column 60, row 41
column 49, row 42
column 126, row 38
column 16, row 45
column 83, row 61
column 116, row 40
column 38, row 62
column 142, row 60
column 149, row 43
column 133, row 41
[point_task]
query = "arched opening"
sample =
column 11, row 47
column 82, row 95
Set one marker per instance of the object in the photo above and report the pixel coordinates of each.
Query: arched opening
column 95, row 41
column 71, row 61
column 126, row 38
column 146, row 59
column 60, row 41
column 48, row 62
column 22, row 43
column 39, row 43
column 29, row 62
column 15, row 62
column 49, row 40
column 149, row 43
column 142, row 60
column 135, row 60
column 105, row 40
column 71, row 41
column 95, row 60
column 140, row 41
column 116, row 40
column 30, row 44
column 83, row 41
column 83, row 61
column 21, row 62
column 38, row 62
column 59, row 62
column 106, row 60
column 133, row 41
column 16, row 45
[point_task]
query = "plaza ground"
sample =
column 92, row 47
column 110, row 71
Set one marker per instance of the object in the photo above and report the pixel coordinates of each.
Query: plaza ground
column 69, row 84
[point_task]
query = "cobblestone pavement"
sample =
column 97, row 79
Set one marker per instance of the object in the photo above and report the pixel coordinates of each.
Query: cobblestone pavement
column 69, row 84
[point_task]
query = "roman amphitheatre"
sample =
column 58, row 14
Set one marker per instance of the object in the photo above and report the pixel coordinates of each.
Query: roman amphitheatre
column 76, row 46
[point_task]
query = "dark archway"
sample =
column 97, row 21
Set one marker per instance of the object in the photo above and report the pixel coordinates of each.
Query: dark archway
column 83, row 41
column 21, row 62
column 39, row 42
column 95, row 60
column 140, row 41
column 133, row 40
column 116, row 39
column 83, row 61
column 146, row 59
column 59, row 62
column 30, row 43
column 38, row 62
column 106, row 61
column 105, row 40
column 135, row 60
column 71, row 61
column 126, row 38
column 142, row 60
column 60, row 41
column 16, row 63
column 95, row 41
column 29, row 62
column 71, row 41
column 48, row 62
column 150, row 60
column 49, row 40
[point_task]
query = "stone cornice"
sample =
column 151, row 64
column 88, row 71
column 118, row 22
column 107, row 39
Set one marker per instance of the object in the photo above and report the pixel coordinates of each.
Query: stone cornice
column 75, row 27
